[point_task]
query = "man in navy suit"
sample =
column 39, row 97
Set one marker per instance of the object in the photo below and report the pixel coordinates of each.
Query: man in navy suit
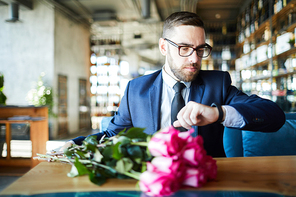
column 211, row 101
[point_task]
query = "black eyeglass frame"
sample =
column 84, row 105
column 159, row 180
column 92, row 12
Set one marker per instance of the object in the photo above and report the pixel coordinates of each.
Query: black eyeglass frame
column 194, row 49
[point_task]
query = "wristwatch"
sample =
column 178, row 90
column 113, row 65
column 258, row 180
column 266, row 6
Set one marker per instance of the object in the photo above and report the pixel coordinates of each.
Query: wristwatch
column 220, row 118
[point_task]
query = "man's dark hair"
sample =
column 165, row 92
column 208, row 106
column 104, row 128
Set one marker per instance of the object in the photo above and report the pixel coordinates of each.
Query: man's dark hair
column 181, row 18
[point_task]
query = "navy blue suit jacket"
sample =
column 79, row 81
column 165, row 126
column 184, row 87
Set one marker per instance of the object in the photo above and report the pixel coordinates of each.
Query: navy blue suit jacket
column 140, row 107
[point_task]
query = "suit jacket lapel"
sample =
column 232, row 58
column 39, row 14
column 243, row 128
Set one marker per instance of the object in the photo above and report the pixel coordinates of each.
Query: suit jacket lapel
column 197, row 90
column 155, row 93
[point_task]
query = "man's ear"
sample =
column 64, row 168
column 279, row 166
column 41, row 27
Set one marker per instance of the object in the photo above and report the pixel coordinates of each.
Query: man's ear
column 162, row 46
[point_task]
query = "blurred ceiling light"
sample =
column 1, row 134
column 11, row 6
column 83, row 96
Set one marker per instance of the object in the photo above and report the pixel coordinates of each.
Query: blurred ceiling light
column 102, row 60
column 226, row 54
column 93, row 58
column 93, row 69
column 124, row 68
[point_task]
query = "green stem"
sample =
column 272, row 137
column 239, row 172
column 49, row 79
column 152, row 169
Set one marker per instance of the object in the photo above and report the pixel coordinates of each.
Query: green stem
column 83, row 161
column 140, row 143
column 54, row 158
column 134, row 175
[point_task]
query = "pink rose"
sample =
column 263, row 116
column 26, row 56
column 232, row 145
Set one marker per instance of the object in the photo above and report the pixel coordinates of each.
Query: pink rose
column 167, row 165
column 194, row 154
column 158, row 184
column 195, row 177
column 166, row 143
column 211, row 167
column 199, row 140
column 187, row 135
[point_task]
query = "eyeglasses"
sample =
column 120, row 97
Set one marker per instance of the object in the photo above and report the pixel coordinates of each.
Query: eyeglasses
column 202, row 51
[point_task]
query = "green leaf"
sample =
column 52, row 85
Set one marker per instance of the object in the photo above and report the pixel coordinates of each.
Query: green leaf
column 147, row 155
column 134, row 152
column 107, row 153
column 107, row 173
column 98, row 156
column 87, row 155
column 79, row 154
column 1, row 80
column 91, row 140
column 68, row 153
column 111, row 163
column 122, row 150
column 82, row 170
column 97, row 178
column 116, row 151
column 91, row 147
column 123, row 140
column 135, row 132
column 122, row 132
column 144, row 167
column 73, row 172
column 124, row 165
column 138, row 160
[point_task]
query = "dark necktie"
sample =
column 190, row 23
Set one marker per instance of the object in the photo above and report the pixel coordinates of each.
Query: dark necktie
column 177, row 103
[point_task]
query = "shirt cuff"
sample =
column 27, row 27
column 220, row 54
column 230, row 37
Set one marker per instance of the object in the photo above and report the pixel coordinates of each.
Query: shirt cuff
column 233, row 118
column 71, row 141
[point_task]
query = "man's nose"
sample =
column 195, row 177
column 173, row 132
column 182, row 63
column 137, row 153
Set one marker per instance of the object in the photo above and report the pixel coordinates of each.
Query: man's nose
column 193, row 58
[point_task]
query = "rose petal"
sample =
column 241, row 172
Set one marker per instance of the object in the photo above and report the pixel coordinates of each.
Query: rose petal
column 158, row 184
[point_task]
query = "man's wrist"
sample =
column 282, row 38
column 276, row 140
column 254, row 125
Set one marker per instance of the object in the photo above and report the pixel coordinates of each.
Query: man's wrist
column 221, row 111
column 224, row 113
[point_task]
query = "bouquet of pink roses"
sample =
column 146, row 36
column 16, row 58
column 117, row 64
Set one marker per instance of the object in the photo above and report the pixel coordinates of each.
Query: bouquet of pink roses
column 179, row 160
column 163, row 163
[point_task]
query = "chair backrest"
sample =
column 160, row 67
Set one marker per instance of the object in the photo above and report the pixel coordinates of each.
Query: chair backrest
column 239, row 143
column 233, row 142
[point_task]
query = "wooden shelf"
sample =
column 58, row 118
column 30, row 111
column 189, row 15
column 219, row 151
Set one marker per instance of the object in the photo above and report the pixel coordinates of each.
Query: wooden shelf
column 265, row 77
column 275, row 19
column 284, row 54
column 278, row 24
column 38, row 132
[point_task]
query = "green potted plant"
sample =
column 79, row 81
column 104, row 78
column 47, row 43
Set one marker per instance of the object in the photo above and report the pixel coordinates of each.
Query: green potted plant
column 292, row 42
column 41, row 95
column 2, row 95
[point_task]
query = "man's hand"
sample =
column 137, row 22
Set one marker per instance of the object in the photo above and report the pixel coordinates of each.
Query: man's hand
column 196, row 114
column 66, row 145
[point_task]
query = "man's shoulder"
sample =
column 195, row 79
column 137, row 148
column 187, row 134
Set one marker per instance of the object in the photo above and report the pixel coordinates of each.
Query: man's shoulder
column 147, row 78
column 143, row 84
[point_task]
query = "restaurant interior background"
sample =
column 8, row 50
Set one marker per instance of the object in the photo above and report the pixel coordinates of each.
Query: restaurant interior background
column 83, row 52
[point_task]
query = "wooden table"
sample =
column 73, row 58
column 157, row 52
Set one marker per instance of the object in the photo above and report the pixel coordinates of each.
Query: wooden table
column 256, row 174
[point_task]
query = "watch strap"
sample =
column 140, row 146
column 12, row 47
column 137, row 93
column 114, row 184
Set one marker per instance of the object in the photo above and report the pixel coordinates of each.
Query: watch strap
column 220, row 118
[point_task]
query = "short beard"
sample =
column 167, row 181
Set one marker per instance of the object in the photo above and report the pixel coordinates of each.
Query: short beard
column 179, row 72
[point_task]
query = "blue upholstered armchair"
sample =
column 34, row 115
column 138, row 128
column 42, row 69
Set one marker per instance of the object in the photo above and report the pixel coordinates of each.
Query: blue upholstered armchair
column 239, row 143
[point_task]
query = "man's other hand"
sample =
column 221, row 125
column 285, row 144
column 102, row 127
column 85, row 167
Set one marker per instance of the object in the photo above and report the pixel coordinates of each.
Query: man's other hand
column 66, row 145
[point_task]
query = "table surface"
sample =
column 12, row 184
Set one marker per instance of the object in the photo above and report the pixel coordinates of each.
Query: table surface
column 276, row 174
